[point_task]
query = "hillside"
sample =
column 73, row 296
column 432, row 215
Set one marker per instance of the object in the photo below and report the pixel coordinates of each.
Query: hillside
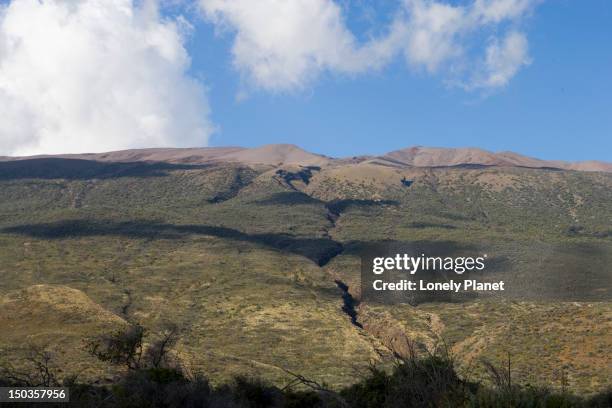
column 254, row 253
column 443, row 157
column 286, row 154
column 269, row 154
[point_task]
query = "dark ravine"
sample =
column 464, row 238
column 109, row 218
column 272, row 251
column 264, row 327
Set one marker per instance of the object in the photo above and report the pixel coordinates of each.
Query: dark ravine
column 304, row 175
column 332, row 250
column 349, row 303
column 128, row 303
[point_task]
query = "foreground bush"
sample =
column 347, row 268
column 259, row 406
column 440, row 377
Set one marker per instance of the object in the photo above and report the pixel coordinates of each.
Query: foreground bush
column 418, row 383
column 153, row 378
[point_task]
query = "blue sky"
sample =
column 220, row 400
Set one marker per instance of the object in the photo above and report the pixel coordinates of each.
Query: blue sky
column 558, row 107
column 337, row 77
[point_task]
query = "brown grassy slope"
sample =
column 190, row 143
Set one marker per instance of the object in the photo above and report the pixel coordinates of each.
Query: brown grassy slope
column 275, row 154
column 227, row 253
column 56, row 318
column 420, row 156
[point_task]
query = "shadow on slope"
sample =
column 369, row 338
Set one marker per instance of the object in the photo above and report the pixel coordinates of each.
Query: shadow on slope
column 78, row 169
column 318, row 250
column 339, row 206
column 289, row 198
column 336, row 207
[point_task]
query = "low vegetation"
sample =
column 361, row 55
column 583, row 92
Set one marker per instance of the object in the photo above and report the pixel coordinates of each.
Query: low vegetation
column 153, row 376
column 244, row 260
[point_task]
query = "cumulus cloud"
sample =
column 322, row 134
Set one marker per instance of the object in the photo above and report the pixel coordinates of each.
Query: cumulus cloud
column 95, row 75
column 430, row 31
column 503, row 60
column 282, row 45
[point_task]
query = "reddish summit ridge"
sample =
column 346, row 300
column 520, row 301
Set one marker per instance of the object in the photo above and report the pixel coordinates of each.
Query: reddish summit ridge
column 420, row 156
column 289, row 154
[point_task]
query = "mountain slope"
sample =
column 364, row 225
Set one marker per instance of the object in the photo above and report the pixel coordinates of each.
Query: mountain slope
column 286, row 154
column 259, row 265
column 268, row 154
column 442, row 157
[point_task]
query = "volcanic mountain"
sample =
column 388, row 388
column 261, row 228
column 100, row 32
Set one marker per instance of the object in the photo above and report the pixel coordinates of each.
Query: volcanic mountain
column 287, row 154
column 255, row 254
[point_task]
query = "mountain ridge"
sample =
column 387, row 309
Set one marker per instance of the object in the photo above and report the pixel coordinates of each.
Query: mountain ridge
column 289, row 154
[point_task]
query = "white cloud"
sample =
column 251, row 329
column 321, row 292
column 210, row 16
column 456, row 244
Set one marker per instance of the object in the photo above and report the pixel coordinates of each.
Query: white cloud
column 503, row 60
column 494, row 11
column 95, row 75
column 430, row 32
column 282, row 45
